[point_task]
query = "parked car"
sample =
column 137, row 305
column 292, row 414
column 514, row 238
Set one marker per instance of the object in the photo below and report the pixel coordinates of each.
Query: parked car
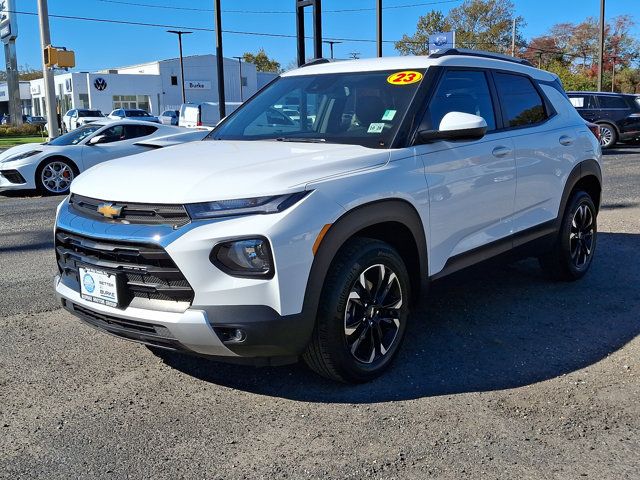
column 275, row 239
column 77, row 117
column 35, row 120
column 51, row 167
column 618, row 115
column 169, row 117
column 133, row 114
column 205, row 114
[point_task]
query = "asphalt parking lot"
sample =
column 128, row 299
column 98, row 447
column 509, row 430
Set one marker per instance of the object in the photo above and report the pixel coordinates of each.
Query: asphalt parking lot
column 503, row 375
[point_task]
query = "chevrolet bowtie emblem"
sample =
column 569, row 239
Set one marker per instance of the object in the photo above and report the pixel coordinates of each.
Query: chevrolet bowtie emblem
column 108, row 210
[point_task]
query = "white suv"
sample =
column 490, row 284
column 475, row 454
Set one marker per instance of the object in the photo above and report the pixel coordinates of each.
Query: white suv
column 312, row 234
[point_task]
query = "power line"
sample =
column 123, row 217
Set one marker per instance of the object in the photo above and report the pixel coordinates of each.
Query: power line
column 277, row 12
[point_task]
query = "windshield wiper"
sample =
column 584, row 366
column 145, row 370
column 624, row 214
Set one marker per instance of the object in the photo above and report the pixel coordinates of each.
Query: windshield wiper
column 300, row 139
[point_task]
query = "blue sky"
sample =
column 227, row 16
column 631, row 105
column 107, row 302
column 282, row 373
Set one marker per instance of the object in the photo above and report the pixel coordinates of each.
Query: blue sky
column 103, row 45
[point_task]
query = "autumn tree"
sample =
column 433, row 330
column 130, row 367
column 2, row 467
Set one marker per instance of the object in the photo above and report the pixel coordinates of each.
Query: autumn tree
column 262, row 61
column 418, row 43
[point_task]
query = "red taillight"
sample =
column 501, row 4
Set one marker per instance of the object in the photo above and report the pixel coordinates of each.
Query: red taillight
column 595, row 129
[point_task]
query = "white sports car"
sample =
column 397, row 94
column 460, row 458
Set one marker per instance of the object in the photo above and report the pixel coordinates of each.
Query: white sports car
column 51, row 167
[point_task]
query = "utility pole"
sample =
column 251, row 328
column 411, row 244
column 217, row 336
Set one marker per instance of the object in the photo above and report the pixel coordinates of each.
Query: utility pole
column 513, row 38
column 379, row 27
column 219, row 60
column 180, row 33
column 240, row 69
column 49, row 87
column 331, row 44
column 601, row 52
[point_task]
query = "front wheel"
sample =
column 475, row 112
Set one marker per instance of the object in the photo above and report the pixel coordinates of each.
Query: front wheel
column 54, row 176
column 362, row 314
column 572, row 253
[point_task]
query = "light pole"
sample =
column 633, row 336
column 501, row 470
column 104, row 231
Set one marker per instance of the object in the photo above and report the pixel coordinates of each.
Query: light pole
column 180, row 33
column 379, row 27
column 601, row 52
column 49, row 88
column 240, row 69
column 331, row 44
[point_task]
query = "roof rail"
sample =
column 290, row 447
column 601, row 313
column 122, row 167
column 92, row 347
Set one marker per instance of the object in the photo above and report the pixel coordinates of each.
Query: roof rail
column 479, row 53
column 315, row 61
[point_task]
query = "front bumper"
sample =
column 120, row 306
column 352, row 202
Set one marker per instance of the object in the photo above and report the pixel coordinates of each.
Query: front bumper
column 14, row 179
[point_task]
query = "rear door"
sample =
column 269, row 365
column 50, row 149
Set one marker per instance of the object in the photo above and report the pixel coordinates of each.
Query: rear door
column 471, row 183
column 545, row 147
column 586, row 106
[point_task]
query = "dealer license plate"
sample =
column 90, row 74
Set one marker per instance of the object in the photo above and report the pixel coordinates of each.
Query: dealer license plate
column 98, row 286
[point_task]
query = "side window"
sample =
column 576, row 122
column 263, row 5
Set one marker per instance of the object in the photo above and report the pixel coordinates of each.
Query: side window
column 113, row 134
column 607, row 101
column 464, row 91
column 135, row 131
column 521, row 101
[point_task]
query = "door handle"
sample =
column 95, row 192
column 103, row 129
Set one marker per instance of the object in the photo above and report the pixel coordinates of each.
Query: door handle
column 566, row 140
column 501, row 152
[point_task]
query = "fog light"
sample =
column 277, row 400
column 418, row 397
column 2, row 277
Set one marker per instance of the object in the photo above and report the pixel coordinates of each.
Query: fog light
column 248, row 257
column 230, row 334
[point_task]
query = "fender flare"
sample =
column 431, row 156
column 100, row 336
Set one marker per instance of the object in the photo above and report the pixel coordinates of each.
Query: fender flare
column 581, row 170
column 347, row 226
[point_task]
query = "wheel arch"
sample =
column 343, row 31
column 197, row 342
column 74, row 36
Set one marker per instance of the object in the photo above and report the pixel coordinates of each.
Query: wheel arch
column 586, row 176
column 46, row 160
column 395, row 221
column 610, row 123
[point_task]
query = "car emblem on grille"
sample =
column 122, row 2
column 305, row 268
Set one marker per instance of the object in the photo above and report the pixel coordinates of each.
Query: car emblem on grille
column 109, row 211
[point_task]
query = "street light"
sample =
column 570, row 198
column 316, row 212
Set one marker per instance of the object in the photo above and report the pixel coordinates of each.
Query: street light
column 180, row 33
column 240, row 68
column 331, row 44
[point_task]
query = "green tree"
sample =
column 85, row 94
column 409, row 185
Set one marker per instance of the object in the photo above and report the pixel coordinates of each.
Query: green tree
column 262, row 61
column 479, row 24
column 418, row 43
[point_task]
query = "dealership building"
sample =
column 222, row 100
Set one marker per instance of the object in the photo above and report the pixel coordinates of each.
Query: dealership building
column 153, row 86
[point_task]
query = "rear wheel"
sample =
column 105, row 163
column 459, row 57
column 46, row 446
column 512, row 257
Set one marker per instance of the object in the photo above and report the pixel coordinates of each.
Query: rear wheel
column 573, row 251
column 54, row 176
column 608, row 135
column 362, row 314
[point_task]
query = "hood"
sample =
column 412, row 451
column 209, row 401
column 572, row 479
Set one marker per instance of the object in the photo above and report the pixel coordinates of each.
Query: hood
column 221, row 170
column 17, row 150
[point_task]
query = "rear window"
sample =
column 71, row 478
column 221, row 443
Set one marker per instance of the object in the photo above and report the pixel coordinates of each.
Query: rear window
column 89, row 113
column 136, row 113
column 520, row 100
column 607, row 101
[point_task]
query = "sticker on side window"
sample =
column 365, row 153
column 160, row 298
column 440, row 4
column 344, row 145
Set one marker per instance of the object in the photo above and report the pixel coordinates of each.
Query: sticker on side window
column 406, row 77
column 376, row 128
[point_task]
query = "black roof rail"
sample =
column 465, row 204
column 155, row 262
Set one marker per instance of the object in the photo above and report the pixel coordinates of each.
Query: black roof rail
column 315, row 61
column 479, row 53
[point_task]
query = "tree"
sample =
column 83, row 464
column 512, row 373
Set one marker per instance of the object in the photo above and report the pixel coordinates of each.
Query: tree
column 25, row 72
column 262, row 62
column 418, row 44
column 479, row 24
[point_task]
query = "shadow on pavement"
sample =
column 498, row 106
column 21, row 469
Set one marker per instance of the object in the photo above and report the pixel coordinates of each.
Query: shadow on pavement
column 487, row 328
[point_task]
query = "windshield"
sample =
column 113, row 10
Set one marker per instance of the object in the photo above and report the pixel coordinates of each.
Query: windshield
column 75, row 137
column 90, row 113
column 364, row 108
column 136, row 113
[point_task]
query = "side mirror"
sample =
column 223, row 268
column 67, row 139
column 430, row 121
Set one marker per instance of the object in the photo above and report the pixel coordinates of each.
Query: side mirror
column 97, row 139
column 456, row 126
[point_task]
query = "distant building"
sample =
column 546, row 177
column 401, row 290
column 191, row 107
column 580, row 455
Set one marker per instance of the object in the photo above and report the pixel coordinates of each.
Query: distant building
column 25, row 98
column 153, row 86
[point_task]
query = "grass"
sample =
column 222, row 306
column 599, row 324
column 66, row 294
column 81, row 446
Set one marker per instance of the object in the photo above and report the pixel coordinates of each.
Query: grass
column 7, row 142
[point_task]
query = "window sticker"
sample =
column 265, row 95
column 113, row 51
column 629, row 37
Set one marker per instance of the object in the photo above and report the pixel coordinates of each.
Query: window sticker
column 388, row 115
column 376, row 128
column 577, row 102
column 406, row 77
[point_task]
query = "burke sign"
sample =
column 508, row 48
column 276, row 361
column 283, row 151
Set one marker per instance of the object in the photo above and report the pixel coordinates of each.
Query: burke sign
column 197, row 85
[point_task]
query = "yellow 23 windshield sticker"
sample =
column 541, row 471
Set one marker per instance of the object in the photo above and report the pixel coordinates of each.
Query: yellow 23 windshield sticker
column 406, row 77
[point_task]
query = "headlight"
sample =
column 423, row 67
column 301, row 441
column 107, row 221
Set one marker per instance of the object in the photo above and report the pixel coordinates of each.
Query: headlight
column 247, row 257
column 245, row 206
column 21, row 156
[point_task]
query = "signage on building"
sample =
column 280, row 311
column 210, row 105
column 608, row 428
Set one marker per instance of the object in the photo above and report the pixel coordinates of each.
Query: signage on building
column 8, row 23
column 197, row 85
column 68, row 85
column 35, row 89
column 4, row 93
column 100, row 84
column 442, row 41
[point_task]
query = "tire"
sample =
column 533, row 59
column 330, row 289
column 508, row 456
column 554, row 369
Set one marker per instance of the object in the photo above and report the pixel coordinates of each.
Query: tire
column 608, row 135
column 572, row 253
column 54, row 176
column 345, row 344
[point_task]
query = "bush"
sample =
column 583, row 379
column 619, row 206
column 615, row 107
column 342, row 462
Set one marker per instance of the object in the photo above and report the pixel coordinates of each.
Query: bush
column 23, row 130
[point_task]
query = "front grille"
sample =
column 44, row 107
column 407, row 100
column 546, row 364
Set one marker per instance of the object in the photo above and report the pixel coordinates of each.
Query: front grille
column 136, row 213
column 131, row 329
column 13, row 176
column 148, row 271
